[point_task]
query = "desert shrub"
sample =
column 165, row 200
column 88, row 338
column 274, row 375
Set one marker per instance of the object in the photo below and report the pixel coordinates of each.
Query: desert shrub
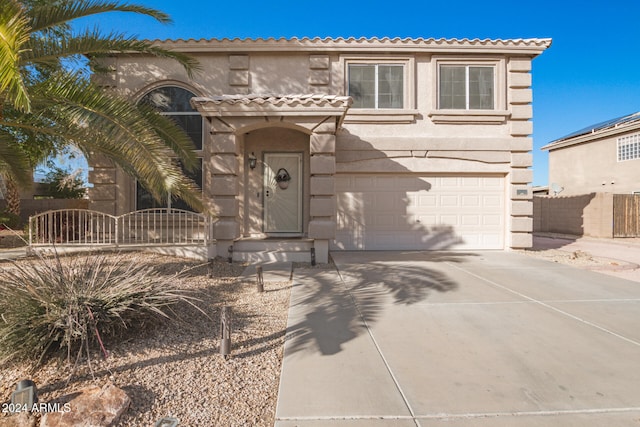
column 51, row 303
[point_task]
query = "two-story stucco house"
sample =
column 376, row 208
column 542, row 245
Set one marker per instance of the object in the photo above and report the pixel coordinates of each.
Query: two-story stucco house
column 604, row 157
column 347, row 144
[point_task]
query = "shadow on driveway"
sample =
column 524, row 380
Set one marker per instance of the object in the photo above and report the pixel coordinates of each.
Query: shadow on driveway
column 326, row 315
column 493, row 339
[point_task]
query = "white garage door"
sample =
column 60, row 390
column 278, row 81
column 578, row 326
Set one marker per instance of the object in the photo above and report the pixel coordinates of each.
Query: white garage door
column 384, row 212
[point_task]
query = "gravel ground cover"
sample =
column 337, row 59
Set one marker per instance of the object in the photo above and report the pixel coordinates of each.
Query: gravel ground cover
column 11, row 239
column 175, row 368
column 580, row 259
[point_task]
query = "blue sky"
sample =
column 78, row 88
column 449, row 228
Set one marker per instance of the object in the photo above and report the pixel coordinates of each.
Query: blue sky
column 590, row 74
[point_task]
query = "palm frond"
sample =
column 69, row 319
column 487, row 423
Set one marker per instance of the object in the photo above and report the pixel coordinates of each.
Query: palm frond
column 61, row 12
column 173, row 136
column 13, row 161
column 14, row 34
column 92, row 43
column 142, row 142
column 44, row 107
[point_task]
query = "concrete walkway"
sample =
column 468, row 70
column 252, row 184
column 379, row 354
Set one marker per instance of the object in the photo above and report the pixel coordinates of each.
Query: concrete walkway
column 13, row 253
column 460, row 339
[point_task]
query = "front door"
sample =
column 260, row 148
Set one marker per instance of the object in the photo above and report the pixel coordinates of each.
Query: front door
column 283, row 193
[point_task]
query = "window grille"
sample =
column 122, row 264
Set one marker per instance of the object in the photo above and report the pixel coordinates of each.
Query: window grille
column 629, row 147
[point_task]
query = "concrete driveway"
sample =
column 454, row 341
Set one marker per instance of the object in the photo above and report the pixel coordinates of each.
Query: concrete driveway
column 460, row 339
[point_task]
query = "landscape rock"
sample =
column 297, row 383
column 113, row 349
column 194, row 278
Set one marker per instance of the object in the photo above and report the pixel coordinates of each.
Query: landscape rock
column 92, row 407
column 174, row 368
column 21, row 419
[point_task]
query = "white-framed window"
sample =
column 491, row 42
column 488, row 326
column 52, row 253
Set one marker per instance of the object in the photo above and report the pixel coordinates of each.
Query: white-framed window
column 466, row 87
column 376, row 86
column 629, row 147
column 173, row 102
column 383, row 88
column 469, row 90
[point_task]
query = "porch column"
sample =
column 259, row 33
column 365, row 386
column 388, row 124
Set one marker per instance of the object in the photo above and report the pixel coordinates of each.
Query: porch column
column 222, row 188
column 103, row 193
column 322, row 225
column 521, row 175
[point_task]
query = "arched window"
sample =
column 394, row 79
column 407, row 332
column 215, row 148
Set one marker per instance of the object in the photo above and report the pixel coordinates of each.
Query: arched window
column 173, row 101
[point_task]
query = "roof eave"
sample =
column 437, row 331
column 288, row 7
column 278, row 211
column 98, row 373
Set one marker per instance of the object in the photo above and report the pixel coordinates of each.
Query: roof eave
column 529, row 47
column 291, row 105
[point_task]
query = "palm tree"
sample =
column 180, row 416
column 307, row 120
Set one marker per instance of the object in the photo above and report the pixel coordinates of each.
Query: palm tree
column 48, row 101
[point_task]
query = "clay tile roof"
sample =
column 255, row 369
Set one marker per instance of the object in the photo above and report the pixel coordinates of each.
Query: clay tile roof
column 535, row 45
column 277, row 100
column 541, row 42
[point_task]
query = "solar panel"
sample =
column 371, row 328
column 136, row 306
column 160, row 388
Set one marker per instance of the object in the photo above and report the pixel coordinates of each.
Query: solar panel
column 602, row 126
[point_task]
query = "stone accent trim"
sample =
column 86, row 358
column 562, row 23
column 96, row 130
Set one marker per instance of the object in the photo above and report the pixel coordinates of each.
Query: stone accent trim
column 222, row 183
column 520, row 97
column 319, row 73
column 322, row 186
column 239, row 72
column 103, row 194
column 322, row 143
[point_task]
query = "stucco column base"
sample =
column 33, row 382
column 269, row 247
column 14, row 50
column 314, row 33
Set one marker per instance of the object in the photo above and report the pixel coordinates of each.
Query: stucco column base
column 212, row 250
column 222, row 248
column 322, row 251
column 322, row 229
column 226, row 229
column 521, row 240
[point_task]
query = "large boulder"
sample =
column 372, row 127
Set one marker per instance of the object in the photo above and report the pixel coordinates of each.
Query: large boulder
column 21, row 419
column 91, row 407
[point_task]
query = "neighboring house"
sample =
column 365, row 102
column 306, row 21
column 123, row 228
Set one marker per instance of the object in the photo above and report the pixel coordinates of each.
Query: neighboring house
column 604, row 157
column 380, row 143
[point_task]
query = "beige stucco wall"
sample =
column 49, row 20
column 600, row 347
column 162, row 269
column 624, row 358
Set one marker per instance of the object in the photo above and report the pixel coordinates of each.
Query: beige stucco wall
column 579, row 215
column 418, row 139
column 593, row 167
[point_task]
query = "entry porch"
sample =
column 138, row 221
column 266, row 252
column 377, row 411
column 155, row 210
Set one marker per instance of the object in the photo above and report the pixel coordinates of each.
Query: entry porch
column 268, row 173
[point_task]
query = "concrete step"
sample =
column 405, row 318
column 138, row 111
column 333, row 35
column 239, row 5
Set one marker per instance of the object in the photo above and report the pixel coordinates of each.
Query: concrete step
column 272, row 245
column 272, row 250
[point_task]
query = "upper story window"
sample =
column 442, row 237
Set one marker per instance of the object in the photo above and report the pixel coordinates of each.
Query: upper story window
column 376, row 85
column 173, row 101
column 629, row 147
column 382, row 88
column 466, row 87
column 469, row 90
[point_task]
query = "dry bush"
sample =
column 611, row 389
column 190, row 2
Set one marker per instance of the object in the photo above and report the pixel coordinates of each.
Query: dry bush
column 74, row 303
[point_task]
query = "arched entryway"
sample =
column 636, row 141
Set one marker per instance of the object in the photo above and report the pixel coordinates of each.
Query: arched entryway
column 279, row 132
column 275, row 191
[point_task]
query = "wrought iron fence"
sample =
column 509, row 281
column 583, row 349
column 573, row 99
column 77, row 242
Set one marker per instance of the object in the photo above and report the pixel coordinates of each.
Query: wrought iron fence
column 139, row 228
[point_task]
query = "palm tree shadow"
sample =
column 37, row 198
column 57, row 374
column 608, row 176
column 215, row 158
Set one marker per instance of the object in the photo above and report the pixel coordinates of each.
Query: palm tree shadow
column 330, row 308
column 322, row 313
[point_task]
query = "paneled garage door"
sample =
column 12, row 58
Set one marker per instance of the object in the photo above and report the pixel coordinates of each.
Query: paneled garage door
column 384, row 212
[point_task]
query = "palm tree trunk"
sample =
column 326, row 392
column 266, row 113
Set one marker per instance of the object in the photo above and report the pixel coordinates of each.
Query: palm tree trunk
column 12, row 197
